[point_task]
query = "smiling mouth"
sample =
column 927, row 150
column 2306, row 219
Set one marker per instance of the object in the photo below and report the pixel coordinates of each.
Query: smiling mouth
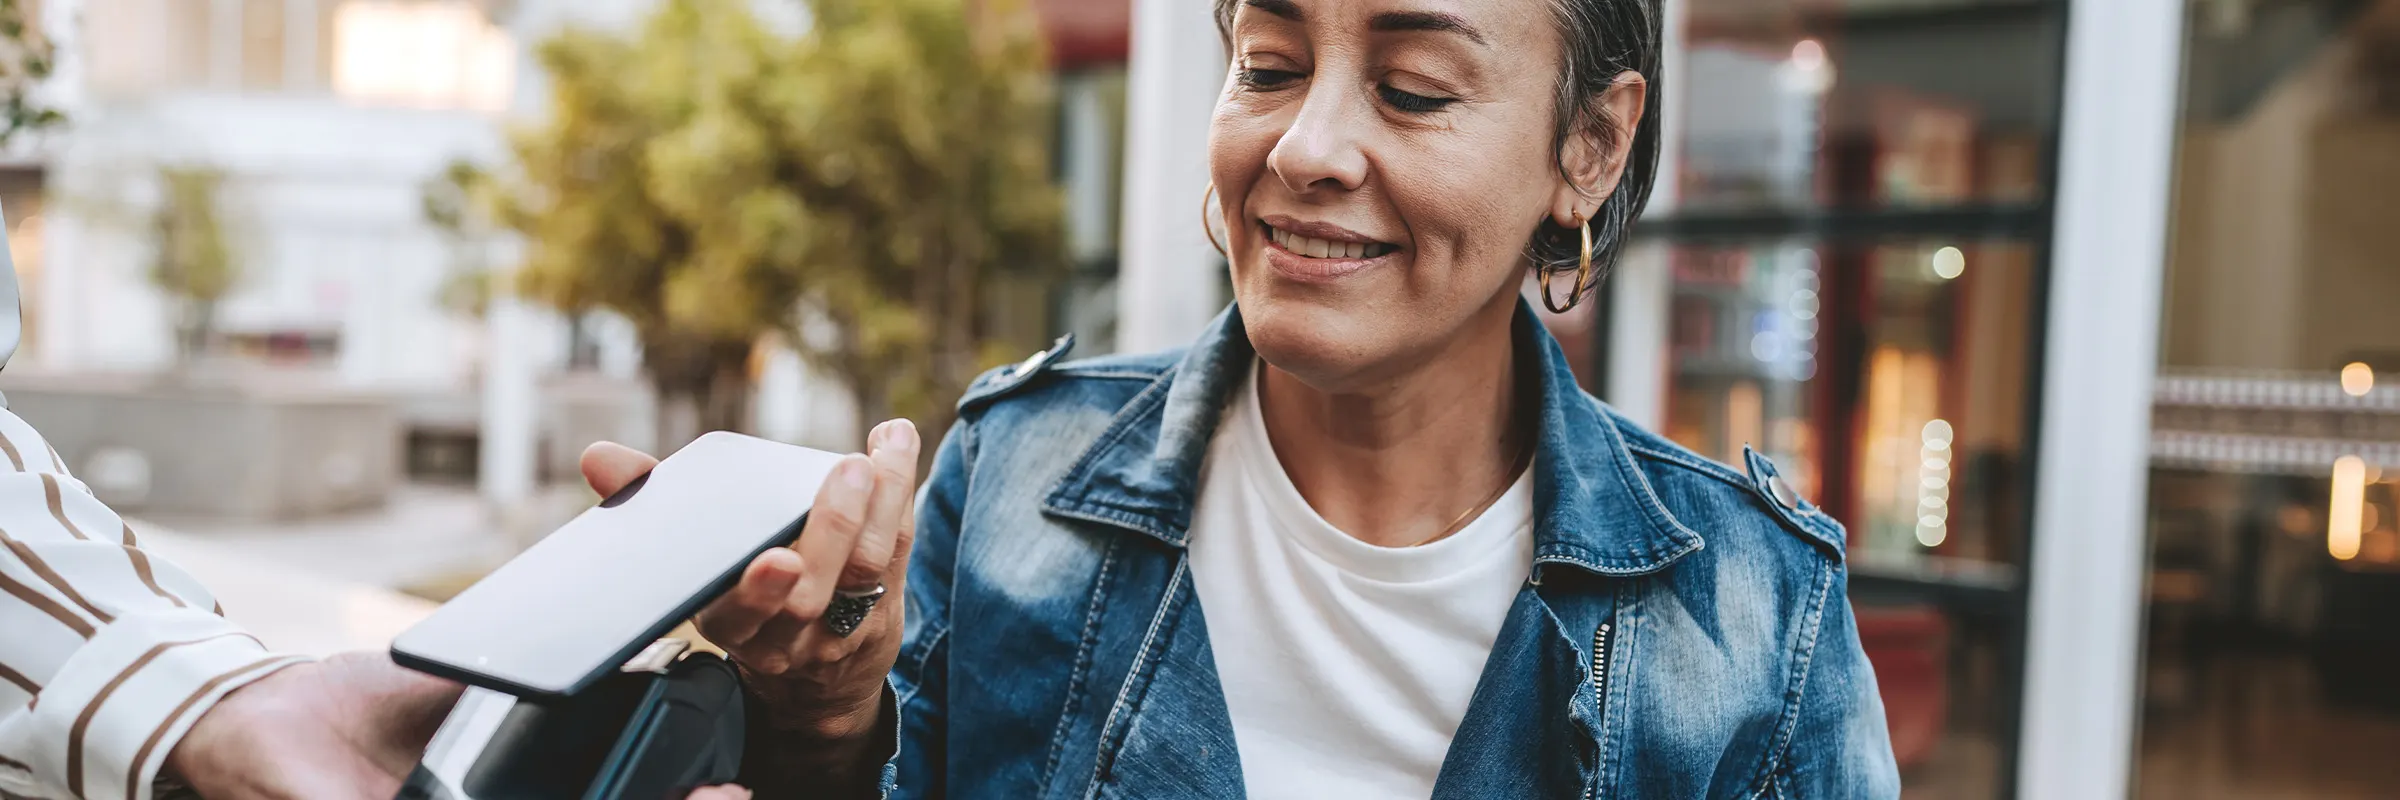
column 1310, row 247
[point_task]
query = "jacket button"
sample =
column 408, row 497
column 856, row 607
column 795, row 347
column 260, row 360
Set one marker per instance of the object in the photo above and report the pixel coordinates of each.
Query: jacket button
column 1783, row 492
column 1028, row 365
column 1035, row 361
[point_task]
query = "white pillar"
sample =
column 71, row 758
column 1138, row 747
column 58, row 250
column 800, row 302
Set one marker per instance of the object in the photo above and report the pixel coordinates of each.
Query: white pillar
column 1167, row 276
column 510, row 398
column 2084, row 635
column 512, row 348
column 1637, row 334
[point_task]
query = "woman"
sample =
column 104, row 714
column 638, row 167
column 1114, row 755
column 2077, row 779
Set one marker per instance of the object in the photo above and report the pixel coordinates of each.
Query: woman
column 1365, row 538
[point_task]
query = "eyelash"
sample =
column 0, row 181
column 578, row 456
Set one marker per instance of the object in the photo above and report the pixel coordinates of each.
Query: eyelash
column 1268, row 79
column 1413, row 103
column 1272, row 79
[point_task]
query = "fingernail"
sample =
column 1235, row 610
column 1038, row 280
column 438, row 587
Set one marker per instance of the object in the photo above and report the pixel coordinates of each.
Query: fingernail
column 903, row 434
column 852, row 472
column 881, row 436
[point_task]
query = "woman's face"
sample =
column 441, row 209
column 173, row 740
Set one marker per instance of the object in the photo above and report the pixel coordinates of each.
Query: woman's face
column 1382, row 166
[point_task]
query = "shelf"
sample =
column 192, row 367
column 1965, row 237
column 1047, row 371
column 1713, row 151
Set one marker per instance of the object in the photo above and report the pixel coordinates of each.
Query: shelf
column 1737, row 368
column 1967, row 586
column 1958, row 223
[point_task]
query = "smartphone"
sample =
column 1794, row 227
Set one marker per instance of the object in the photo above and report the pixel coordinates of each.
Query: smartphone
column 579, row 603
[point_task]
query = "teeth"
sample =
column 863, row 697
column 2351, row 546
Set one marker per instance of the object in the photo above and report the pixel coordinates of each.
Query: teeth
column 1323, row 248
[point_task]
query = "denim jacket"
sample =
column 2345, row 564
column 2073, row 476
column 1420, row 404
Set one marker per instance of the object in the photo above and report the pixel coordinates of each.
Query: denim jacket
column 1682, row 634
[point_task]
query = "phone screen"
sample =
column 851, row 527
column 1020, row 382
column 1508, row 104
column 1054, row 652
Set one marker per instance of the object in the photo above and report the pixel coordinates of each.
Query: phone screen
column 584, row 599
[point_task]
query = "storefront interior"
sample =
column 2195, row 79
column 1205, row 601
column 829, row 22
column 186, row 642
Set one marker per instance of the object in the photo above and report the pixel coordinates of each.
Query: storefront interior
column 1855, row 262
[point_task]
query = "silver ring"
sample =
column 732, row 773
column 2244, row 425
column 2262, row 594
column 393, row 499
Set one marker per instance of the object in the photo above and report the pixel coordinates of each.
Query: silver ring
column 849, row 609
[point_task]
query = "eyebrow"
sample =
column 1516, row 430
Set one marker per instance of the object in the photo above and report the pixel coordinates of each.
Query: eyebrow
column 1422, row 21
column 1281, row 8
column 1386, row 22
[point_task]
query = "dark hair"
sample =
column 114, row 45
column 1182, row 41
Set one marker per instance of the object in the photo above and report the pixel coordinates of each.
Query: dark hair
column 1603, row 39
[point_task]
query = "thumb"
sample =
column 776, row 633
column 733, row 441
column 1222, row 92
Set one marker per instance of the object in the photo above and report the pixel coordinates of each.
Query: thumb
column 609, row 466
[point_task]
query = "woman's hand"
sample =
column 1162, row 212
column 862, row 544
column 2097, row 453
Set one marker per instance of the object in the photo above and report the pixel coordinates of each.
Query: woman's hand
column 817, row 684
column 350, row 726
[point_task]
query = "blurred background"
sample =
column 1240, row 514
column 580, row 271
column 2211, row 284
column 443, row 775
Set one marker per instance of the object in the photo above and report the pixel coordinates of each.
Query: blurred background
column 328, row 294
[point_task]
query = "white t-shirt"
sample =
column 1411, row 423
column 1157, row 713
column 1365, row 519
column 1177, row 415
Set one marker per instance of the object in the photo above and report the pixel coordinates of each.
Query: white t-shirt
column 1346, row 666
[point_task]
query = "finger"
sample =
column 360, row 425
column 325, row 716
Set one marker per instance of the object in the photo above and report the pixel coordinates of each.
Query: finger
column 893, row 448
column 834, row 523
column 896, row 573
column 609, row 466
column 725, row 792
column 733, row 620
column 776, row 645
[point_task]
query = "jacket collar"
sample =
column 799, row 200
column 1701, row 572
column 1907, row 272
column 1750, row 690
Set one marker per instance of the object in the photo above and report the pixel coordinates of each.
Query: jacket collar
column 1594, row 508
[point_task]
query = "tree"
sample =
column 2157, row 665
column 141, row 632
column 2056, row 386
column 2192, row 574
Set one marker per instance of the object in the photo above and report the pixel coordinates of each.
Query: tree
column 925, row 129
column 448, row 202
column 709, row 179
column 25, row 61
column 194, row 262
column 603, row 193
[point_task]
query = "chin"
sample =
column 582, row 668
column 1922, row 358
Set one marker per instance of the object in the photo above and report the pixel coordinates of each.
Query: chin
column 1329, row 348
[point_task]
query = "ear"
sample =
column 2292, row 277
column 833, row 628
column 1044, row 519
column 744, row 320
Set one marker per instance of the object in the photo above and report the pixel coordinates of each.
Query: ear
column 1595, row 154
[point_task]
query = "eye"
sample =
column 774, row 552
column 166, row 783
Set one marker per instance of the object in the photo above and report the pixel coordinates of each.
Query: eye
column 1411, row 102
column 1257, row 78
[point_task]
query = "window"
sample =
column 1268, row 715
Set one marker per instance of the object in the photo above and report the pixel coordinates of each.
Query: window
column 2274, row 507
column 1851, row 269
column 414, row 53
column 421, row 54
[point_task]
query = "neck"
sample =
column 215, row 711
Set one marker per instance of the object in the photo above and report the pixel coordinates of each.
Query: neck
column 1398, row 462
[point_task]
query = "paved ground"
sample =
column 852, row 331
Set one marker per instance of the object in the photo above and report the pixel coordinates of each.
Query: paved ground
column 334, row 583
column 289, row 608
column 425, row 533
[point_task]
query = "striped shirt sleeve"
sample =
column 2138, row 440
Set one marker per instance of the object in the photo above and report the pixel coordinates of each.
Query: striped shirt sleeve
column 110, row 653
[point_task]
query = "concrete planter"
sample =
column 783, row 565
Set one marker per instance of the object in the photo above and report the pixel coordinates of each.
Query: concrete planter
column 220, row 447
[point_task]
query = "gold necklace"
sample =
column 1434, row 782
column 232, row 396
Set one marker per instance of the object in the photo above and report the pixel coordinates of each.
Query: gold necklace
column 1516, row 467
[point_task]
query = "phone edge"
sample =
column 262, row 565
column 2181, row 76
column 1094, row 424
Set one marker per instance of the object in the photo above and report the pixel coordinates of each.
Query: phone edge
column 690, row 607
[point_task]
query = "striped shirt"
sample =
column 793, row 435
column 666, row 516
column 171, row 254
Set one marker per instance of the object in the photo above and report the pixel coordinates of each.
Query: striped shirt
column 107, row 655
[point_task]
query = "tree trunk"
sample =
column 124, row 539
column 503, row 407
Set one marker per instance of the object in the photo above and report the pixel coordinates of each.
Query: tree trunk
column 871, row 408
column 198, row 323
column 701, row 387
column 727, row 405
column 678, row 420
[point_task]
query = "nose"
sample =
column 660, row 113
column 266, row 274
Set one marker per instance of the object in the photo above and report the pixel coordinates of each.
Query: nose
column 1321, row 151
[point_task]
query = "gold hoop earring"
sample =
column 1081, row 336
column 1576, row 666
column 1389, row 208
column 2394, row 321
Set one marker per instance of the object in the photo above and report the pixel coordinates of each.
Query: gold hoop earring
column 1583, row 271
column 1206, row 229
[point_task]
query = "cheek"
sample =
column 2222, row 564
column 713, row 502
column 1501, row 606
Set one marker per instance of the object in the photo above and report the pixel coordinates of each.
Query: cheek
column 1239, row 139
column 1471, row 206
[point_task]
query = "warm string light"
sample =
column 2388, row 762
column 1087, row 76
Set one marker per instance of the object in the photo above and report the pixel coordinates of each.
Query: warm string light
column 2346, row 514
column 1809, row 70
column 1788, row 347
column 2358, row 379
column 1949, row 263
column 1933, row 489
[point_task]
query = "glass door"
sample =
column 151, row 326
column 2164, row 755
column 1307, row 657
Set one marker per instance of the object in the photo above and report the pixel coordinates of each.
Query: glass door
column 1853, row 268
column 2273, row 577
